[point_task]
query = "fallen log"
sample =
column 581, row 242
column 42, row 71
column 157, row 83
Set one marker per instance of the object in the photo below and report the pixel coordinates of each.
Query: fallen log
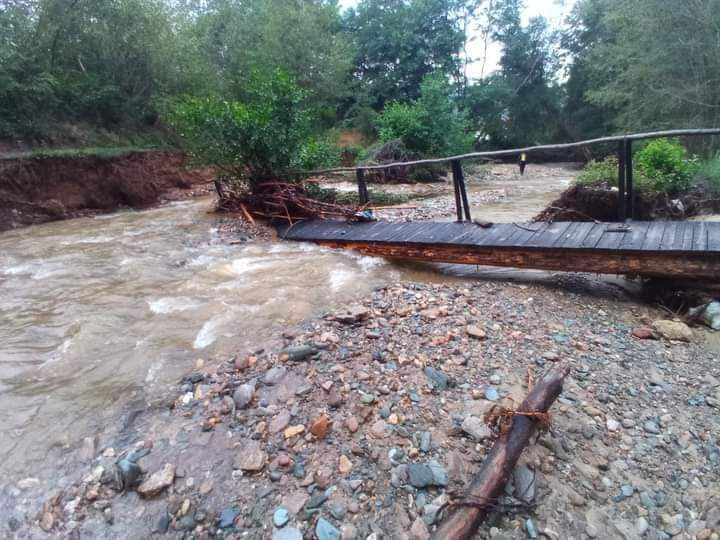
column 490, row 482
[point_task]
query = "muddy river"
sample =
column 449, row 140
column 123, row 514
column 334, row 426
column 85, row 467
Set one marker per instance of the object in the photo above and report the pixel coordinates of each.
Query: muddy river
column 97, row 314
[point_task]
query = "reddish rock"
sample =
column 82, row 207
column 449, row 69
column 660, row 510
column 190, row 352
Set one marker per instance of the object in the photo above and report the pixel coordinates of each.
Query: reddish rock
column 242, row 362
column 320, row 426
column 352, row 424
column 642, row 332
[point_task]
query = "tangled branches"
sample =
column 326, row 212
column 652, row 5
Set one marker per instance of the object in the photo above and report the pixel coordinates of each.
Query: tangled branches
column 282, row 201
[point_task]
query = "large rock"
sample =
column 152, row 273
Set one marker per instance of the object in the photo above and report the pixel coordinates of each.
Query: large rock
column 158, row 481
column 251, row 457
column 476, row 428
column 673, row 330
column 353, row 314
column 244, row 395
column 422, row 475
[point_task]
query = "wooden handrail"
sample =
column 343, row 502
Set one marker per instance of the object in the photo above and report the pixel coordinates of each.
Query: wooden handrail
column 528, row 149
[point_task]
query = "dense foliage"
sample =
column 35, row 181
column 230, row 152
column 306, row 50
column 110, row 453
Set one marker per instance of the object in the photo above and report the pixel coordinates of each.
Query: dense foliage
column 254, row 140
column 432, row 125
column 88, row 72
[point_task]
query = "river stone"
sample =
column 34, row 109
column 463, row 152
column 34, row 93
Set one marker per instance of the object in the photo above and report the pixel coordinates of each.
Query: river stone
column 158, row 481
column 475, row 332
column 227, row 517
column 491, row 394
column 279, row 422
column 437, row 378
column 251, row 458
column 673, row 330
column 422, row 475
column 325, row 530
column 476, row 428
column 243, row 395
column 300, row 353
column 281, row 517
column 287, row 533
column 419, row 530
column 524, row 480
column 274, row 375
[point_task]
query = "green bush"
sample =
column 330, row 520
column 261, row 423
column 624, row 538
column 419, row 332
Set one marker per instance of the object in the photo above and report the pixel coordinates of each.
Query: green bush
column 708, row 172
column 430, row 126
column 599, row 172
column 317, row 154
column 253, row 141
column 664, row 166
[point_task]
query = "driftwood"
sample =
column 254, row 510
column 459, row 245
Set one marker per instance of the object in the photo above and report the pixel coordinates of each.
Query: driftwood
column 490, row 482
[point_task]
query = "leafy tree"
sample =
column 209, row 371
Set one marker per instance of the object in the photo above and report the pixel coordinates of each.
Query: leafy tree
column 400, row 42
column 646, row 63
column 252, row 141
column 520, row 105
column 430, row 126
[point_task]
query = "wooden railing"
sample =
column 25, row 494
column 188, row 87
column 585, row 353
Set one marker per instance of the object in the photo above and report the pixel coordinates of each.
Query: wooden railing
column 626, row 199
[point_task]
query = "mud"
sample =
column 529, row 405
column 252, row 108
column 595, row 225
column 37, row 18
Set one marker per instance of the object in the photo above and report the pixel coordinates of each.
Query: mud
column 42, row 189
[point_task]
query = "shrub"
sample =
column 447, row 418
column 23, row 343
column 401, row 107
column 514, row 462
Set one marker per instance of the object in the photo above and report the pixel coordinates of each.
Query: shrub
column 599, row 172
column 431, row 125
column 317, row 154
column 663, row 166
column 253, row 141
column 708, row 172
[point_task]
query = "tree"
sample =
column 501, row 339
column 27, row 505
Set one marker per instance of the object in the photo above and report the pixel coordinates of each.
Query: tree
column 628, row 65
column 520, row 105
column 398, row 43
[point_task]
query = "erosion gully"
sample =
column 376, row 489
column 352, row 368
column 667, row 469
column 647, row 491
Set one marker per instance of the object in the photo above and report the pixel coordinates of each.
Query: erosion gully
column 100, row 317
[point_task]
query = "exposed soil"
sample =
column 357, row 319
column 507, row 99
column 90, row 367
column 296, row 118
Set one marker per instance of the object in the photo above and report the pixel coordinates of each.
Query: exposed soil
column 589, row 203
column 41, row 189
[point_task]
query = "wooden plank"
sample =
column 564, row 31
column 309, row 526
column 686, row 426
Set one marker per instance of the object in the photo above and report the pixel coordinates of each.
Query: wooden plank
column 612, row 236
column 700, row 236
column 667, row 242
column 549, row 236
column 713, row 236
column 635, row 238
column 525, row 232
column 654, row 236
column 490, row 237
column 573, row 237
column 593, row 237
column 688, row 230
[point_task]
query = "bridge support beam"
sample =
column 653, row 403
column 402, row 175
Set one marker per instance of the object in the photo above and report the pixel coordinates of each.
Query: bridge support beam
column 460, row 191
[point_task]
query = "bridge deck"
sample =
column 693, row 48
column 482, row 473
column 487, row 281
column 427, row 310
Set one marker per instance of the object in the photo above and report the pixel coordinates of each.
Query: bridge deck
column 672, row 248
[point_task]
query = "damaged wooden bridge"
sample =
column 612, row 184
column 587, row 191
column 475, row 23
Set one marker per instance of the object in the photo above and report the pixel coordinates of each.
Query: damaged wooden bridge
column 672, row 249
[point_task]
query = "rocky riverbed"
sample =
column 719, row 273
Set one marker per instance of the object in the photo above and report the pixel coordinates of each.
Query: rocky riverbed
column 368, row 423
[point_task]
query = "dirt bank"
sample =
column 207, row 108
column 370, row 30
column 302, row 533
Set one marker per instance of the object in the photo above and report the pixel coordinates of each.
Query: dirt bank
column 588, row 203
column 48, row 188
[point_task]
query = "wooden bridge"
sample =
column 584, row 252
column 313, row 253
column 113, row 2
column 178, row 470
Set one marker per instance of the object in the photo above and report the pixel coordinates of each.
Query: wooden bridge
column 675, row 249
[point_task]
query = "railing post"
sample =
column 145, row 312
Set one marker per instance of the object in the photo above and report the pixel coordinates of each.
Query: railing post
column 630, row 195
column 456, row 174
column 362, row 187
column 621, row 182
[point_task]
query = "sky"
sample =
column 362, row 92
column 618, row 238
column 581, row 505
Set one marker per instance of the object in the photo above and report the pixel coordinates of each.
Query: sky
column 554, row 11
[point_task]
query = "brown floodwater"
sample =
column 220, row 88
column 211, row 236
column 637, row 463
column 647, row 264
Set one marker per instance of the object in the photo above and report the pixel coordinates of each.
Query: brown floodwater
column 97, row 313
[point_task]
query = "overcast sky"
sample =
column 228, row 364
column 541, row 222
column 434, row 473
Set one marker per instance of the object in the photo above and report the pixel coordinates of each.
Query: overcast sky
column 553, row 10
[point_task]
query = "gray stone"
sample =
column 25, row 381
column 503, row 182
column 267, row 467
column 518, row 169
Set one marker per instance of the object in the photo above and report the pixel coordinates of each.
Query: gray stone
column 281, row 517
column 227, row 517
column 298, row 354
column 279, row 422
column 440, row 475
column 420, row 475
column 316, row 501
column 491, row 394
column 244, row 395
column 325, row 530
column 251, row 457
column 476, row 428
column 651, row 427
column 641, row 526
column 438, row 379
column 627, row 490
column 287, row 533
column 274, row 375
column 430, row 513
column 531, row 528
column 337, row 511
column 524, row 480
